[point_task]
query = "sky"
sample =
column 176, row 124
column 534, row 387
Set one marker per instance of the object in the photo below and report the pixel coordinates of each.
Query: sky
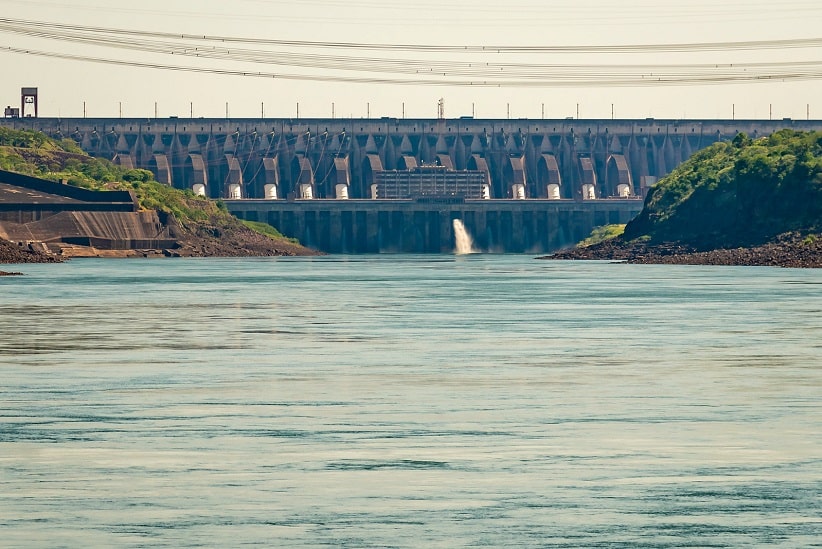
column 374, row 58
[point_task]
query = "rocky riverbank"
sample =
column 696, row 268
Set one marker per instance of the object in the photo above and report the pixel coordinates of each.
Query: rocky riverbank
column 220, row 238
column 743, row 202
column 12, row 253
column 232, row 239
column 786, row 250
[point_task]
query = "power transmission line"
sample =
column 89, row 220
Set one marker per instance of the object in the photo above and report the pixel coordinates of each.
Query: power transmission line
column 474, row 65
column 557, row 81
column 22, row 25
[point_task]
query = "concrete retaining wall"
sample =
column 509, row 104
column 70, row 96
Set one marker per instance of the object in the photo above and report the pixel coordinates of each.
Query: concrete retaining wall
column 405, row 226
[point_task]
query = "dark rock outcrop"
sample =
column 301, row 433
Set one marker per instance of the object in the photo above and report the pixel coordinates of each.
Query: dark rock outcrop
column 13, row 253
column 787, row 250
column 232, row 239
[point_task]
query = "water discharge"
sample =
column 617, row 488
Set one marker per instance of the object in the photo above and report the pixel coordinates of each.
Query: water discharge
column 464, row 242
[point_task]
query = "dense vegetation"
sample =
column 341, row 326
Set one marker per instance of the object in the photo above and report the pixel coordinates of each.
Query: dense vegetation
column 738, row 193
column 34, row 153
column 28, row 139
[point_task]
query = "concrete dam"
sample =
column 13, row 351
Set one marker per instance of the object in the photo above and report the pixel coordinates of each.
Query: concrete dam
column 396, row 185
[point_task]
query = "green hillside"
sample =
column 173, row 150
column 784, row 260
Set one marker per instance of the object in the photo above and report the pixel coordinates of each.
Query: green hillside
column 739, row 193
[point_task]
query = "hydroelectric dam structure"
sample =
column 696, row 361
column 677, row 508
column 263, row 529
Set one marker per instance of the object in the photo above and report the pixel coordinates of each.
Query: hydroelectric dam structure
column 348, row 185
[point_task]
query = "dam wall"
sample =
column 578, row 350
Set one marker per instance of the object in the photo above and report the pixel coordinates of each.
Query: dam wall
column 545, row 184
column 426, row 226
column 523, row 158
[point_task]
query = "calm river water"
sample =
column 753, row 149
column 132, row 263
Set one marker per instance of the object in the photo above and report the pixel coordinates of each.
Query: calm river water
column 409, row 401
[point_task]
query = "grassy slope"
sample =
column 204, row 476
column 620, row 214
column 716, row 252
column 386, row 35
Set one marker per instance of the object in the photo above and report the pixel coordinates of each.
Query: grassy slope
column 601, row 234
column 740, row 193
column 33, row 153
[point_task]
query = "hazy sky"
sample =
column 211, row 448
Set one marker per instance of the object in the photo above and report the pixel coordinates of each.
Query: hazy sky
column 535, row 81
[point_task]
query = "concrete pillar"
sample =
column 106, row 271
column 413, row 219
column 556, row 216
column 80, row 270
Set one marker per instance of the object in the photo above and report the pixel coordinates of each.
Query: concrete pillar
column 336, row 234
column 372, row 232
column 517, row 231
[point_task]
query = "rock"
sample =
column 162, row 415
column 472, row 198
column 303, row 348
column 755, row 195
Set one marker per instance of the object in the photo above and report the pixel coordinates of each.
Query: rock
column 18, row 253
column 235, row 240
column 786, row 250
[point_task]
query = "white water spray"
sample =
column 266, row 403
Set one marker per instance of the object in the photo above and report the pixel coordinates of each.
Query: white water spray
column 464, row 242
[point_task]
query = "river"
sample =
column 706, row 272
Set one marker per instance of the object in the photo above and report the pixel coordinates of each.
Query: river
column 409, row 401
